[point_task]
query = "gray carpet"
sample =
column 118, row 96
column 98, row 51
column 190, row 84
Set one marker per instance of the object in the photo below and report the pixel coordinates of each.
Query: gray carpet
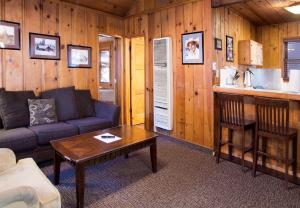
column 186, row 177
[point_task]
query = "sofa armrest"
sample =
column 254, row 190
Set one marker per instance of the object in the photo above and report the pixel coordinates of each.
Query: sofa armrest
column 108, row 111
column 20, row 194
column 7, row 159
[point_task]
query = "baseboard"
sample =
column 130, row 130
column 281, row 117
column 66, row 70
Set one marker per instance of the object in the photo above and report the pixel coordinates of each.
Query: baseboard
column 260, row 168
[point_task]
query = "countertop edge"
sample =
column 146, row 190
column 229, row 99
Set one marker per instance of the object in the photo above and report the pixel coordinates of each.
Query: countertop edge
column 258, row 92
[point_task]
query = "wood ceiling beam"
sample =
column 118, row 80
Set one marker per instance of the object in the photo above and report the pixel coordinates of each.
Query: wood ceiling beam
column 220, row 3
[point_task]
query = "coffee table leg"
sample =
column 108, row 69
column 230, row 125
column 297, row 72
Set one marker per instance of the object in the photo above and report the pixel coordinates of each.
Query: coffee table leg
column 80, row 185
column 153, row 153
column 57, row 161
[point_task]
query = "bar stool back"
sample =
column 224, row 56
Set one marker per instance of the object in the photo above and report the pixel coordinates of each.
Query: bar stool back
column 232, row 117
column 272, row 121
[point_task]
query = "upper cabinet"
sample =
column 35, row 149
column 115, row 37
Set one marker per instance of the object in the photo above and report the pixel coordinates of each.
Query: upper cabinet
column 250, row 53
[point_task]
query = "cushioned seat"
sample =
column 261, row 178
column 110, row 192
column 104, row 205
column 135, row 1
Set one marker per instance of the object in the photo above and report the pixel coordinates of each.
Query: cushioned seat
column 90, row 124
column 47, row 132
column 23, row 184
column 19, row 139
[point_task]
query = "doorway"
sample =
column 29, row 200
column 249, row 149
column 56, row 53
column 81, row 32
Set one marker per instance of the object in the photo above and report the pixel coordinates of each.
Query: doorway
column 107, row 68
column 137, row 81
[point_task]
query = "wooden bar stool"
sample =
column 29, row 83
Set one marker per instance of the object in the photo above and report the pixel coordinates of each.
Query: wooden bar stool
column 272, row 121
column 232, row 117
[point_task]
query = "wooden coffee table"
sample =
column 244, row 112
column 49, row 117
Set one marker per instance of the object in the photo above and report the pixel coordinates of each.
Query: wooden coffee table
column 84, row 150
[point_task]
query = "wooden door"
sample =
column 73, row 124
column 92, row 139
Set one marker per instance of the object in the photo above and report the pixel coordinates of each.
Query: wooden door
column 137, row 81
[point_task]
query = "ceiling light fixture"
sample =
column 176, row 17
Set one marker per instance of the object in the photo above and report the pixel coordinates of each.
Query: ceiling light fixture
column 295, row 8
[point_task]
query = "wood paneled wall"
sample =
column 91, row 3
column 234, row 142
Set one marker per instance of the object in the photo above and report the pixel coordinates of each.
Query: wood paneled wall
column 74, row 24
column 192, row 83
column 271, row 36
column 227, row 22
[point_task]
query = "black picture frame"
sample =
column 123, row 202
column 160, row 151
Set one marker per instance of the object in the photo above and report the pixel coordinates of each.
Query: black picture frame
column 201, row 48
column 229, row 49
column 17, row 38
column 78, row 47
column 218, row 44
column 33, row 48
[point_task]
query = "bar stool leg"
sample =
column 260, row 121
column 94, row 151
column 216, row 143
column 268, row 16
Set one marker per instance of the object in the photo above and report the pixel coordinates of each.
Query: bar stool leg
column 287, row 162
column 264, row 149
column 243, row 150
column 230, row 137
column 295, row 157
column 256, row 144
column 253, row 141
column 219, row 146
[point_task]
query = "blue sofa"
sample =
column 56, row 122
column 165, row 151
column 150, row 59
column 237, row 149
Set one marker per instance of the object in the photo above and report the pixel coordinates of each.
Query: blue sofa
column 77, row 115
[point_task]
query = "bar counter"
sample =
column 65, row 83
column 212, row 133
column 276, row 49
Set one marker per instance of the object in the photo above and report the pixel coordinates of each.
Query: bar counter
column 272, row 167
column 288, row 95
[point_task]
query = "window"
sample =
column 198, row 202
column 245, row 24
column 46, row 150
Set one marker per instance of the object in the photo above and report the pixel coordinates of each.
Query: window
column 291, row 56
column 105, row 66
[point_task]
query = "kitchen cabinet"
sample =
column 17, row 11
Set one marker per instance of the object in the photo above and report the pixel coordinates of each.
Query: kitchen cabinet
column 250, row 53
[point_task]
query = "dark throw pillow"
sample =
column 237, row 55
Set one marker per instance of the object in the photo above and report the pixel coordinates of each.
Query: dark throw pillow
column 14, row 108
column 42, row 111
column 85, row 103
column 65, row 102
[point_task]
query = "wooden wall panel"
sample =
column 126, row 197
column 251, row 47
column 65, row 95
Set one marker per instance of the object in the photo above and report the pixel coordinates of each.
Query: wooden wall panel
column 12, row 68
column 190, row 81
column 32, row 67
column 74, row 24
column 227, row 22
column 50, row 26
column 271, row 36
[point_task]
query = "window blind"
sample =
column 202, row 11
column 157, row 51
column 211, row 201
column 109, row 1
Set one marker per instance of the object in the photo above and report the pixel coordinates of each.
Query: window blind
column 292, row 57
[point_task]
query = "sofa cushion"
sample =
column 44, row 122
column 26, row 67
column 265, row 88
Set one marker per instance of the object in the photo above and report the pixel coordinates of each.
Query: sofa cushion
column 65, row 102
column 18, row 140
column 85, row 103
column 42, row 111
column 90, row 124
column 14, row 108
column 26, row 174
column 47, row 132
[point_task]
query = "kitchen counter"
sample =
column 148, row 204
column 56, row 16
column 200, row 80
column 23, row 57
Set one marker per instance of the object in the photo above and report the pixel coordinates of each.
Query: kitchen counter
column 258, row 92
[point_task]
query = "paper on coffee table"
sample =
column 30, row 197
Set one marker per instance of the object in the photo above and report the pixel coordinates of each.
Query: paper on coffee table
column 107, row 140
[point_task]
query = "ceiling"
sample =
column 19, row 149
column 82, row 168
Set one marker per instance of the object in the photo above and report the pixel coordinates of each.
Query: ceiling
column 116, row 7
column 262, row 12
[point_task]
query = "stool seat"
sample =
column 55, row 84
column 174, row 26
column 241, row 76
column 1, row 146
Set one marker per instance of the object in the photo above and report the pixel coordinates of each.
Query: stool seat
column 290, row 133
column 247, row 124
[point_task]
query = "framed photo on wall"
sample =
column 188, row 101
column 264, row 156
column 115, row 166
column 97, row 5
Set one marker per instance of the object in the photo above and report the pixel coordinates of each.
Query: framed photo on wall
column 79, row 56
column 10, row 35
column 192, row 48
column 44, row 46
column 218, row 44
column 229, row 49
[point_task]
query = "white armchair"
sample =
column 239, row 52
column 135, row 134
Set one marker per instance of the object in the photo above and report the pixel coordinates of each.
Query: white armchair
column 23, row 184
column 7, row 159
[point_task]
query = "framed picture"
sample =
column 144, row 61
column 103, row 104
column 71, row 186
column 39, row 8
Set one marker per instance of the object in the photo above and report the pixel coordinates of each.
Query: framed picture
column 218, row 44
column 44, row 46
column 229, row 49
column 10, row 35
column 79, row 56
column 192, row 48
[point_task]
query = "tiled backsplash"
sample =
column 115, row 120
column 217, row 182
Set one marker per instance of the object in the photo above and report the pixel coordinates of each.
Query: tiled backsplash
column 271, row 79
column 268, row 79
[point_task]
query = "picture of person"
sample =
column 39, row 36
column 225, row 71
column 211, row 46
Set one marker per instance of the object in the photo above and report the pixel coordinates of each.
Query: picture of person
column 229, row 49
column 192, row 48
